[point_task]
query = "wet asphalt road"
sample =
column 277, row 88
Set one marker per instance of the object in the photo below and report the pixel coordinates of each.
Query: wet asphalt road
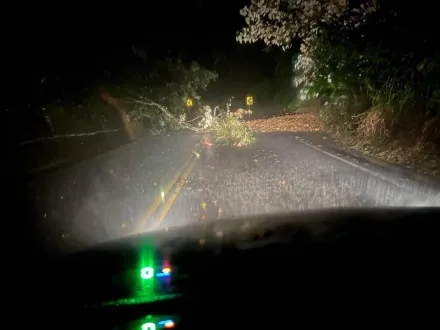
column 282, row 173
column 107, row 197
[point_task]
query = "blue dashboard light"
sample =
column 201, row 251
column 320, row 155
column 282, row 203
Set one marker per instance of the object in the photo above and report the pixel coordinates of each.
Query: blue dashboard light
column 162, row 274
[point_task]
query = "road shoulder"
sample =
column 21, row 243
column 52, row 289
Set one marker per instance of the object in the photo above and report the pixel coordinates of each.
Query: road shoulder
column 329, row 144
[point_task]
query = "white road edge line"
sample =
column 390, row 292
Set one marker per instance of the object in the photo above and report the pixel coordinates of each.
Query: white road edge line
column 377, row 175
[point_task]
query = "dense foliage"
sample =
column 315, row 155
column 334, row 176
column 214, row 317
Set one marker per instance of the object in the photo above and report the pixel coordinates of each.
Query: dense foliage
column 170, row 84
column 373, row 63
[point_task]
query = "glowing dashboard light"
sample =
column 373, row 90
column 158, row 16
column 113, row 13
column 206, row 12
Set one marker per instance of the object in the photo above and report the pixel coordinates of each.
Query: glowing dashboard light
column 163, row 274
column 147, row 273
column 167, row 324
column 149, row 326
column 166, row 271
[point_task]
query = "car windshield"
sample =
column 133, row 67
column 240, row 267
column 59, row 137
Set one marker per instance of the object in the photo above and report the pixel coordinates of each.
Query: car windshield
column 125, row 121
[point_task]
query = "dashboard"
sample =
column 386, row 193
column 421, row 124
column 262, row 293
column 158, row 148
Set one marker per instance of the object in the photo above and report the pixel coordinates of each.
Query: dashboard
column 250, row 273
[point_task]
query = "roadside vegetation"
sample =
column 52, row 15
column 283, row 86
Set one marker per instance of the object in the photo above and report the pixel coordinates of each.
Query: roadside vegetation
column 373, row 65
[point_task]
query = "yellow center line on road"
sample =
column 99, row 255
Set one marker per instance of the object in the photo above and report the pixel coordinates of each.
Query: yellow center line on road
column 166, row 207
column 139, row 224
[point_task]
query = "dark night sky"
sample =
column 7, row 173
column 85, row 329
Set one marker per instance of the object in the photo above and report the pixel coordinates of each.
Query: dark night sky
column 82, row 40
column 195, row 27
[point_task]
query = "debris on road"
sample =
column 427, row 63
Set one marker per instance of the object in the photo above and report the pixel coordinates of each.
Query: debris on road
column 301, row 122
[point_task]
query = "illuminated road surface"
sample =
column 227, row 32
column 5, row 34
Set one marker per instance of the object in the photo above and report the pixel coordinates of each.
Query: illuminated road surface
column 285, row 173
column 159, row 182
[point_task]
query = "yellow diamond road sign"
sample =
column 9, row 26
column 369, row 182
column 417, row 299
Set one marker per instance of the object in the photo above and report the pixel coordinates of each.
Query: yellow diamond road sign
column 249, row 100
column 189, row 102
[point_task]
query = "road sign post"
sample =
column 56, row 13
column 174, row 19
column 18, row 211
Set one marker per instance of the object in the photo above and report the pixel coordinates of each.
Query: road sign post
column 249, row 102
column 189, row 104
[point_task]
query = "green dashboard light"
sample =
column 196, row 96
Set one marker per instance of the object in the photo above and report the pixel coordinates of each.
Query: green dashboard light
column 147, row 273
column 149, row 326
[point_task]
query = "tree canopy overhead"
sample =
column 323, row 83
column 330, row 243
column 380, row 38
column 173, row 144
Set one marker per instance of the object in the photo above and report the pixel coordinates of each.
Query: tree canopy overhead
column 282, row 21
